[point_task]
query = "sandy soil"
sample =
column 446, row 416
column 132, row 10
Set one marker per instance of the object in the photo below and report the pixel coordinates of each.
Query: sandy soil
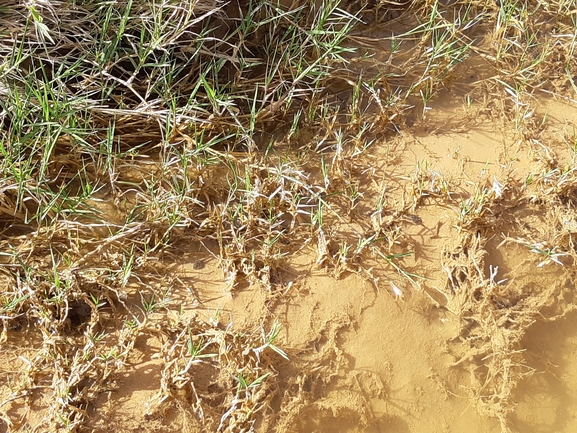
column 365, row 357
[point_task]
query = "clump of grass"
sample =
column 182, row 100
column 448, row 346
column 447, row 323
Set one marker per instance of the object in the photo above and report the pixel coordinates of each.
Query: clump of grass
column 496, row 311
column 241, row 369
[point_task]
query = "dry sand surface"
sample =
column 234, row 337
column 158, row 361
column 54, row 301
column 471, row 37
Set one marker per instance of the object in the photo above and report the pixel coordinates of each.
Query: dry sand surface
column 372, row 352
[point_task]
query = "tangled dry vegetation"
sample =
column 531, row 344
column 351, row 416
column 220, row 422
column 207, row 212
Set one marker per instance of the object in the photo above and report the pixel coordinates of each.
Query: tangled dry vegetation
column 129, row 129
